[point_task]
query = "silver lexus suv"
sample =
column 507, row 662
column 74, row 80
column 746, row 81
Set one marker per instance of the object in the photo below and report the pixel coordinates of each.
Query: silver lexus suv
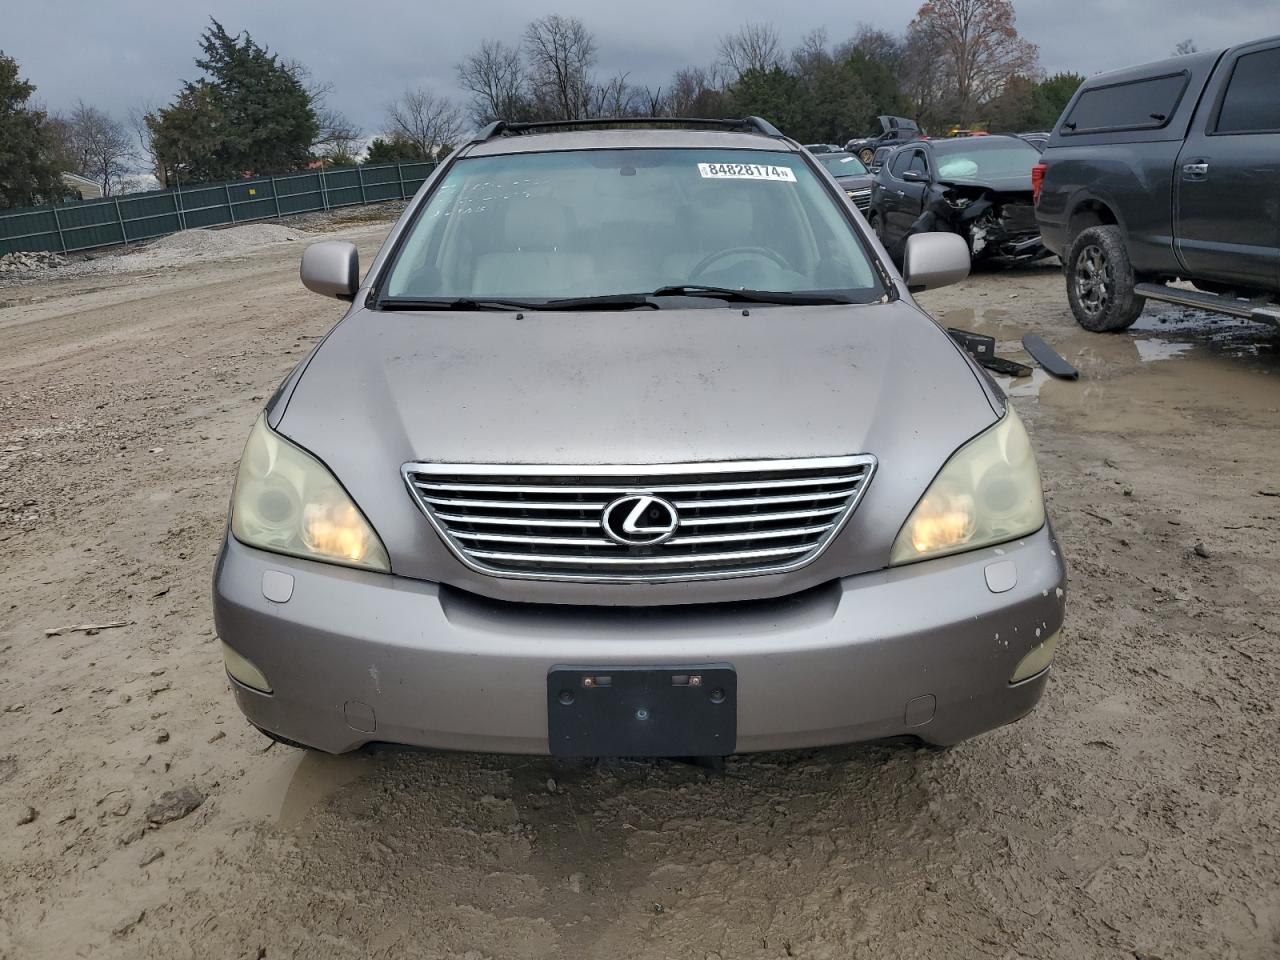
column 634, row 443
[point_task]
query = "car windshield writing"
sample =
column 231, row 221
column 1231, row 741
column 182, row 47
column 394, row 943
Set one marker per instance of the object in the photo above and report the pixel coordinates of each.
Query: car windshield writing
column 986, row 162
column 590, row 223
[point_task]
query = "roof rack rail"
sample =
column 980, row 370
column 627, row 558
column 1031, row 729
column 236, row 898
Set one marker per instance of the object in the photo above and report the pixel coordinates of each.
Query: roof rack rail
column 501, row 128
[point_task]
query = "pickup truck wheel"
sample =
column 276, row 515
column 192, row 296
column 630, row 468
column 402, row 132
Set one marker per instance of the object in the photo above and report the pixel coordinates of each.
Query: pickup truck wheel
column 1100, row 281
column 866, row 155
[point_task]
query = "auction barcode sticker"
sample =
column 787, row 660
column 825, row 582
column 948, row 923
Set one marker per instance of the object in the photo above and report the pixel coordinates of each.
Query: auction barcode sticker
column 746, row 171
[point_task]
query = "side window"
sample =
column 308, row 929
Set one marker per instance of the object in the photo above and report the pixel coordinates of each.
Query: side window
column 1136, row 105
column 918, row 162
column 900, row 162
column 1252, row 101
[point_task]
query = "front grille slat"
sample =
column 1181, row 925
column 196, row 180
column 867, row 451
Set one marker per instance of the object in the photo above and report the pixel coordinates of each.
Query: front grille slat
column 735, row 518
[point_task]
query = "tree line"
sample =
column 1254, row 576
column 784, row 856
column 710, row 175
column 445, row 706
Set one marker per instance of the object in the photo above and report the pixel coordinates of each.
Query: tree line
column 958, row 63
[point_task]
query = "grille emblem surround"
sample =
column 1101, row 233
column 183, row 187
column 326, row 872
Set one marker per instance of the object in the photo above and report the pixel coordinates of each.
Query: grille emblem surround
column 640, row 520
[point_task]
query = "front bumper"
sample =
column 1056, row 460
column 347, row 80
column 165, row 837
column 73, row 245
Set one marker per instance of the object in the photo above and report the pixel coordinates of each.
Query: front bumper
column 924, row 650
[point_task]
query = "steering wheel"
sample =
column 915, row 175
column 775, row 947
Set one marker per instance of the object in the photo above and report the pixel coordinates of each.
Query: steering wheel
column 705, row 263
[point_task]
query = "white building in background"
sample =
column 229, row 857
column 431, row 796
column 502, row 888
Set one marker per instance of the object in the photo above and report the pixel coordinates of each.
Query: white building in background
column 88, row 189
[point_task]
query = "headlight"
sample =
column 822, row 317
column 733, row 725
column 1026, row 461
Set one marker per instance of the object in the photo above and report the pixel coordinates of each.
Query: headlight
column 287, row 502
column 988, row 492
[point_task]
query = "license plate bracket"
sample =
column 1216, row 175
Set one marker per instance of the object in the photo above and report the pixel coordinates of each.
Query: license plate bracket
column 687, row 710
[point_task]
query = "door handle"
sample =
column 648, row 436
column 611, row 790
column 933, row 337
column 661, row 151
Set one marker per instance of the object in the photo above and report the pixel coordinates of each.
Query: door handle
column 1198, row 168
column 901, row 193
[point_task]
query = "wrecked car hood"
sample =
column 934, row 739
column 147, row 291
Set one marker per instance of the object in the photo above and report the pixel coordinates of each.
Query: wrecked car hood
column 1018, row 184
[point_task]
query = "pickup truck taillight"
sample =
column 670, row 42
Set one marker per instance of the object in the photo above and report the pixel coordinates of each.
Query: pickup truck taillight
column 1037, row 181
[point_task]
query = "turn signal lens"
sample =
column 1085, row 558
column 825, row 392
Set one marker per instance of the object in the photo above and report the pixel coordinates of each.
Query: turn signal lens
column 244, row 671
column 1036, row 661
column 287, row 502
column 988, row 492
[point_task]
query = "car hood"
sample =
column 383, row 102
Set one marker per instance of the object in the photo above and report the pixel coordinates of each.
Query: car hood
column 861, row 181
column 636, row 387
column 1016, row 184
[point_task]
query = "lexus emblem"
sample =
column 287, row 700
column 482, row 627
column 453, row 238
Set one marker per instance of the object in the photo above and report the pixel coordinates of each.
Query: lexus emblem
column 640, row 520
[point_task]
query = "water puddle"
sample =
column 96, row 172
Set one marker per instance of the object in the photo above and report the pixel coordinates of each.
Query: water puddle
column 292, row 782
column 1151, row 349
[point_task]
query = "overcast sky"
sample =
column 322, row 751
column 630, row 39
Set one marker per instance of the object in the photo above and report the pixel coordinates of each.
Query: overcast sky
column 120, row 54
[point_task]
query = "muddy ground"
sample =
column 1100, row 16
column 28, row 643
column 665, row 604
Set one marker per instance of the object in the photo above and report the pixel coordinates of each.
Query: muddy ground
column 1136, row 813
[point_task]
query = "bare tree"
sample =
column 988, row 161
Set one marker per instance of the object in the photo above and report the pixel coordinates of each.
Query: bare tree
column 695, row 92
column 337, row 138
column 561, row 52
column 495, row 77
column 811, row 55
column 875, row 44
column 143, row 150
column 979, row 48
column 102, row 145
column 1185, row 47
column 754, row 47
column 616, row 97
column 426, row 120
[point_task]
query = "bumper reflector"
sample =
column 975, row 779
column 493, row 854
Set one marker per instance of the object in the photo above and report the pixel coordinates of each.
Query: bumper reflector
column 1036, row 661
column 243, row 671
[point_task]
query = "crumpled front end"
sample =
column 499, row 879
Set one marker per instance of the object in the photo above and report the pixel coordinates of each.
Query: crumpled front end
column 998, row 226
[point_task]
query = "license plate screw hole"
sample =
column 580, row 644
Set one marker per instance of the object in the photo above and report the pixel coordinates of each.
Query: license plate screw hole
column 566, row 697
column 717, row 695
column 642, row 713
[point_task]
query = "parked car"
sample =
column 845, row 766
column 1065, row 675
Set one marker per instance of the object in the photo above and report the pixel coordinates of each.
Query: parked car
column 853, row 177
column 1169, row 171
column 894, row 131
column 879, row 158
column 653, row 455
column 978, row 187
column 823, row 148
column 1037, row 139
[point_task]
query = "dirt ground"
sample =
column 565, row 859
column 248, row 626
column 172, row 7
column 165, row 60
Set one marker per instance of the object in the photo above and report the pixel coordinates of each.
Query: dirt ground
column 1134, row 814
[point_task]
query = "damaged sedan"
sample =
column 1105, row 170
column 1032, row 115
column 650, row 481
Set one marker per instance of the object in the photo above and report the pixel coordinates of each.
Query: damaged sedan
column 977, row 187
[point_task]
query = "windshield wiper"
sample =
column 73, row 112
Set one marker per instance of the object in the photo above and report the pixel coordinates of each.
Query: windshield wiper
column 613, row 301
column 452, row 303
column 749, row 296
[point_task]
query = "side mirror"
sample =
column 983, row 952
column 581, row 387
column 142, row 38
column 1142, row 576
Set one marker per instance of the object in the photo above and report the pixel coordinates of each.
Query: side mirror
column 915, row 176
column 934, row 260
column 331, row 268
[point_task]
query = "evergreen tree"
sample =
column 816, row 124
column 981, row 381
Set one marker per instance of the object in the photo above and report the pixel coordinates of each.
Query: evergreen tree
column 393, row 150
column 29, row 170
column 249, row 114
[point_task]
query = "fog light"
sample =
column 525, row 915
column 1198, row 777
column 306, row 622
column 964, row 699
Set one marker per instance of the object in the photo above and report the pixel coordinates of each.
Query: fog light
column 243, row 671
column 1037, row 660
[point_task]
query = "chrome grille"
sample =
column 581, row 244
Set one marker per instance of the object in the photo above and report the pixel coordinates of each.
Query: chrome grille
column 861, row 198
column 545, row 522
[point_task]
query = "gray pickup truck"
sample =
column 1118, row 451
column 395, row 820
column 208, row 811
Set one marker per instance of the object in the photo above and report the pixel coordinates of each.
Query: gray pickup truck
column 1167, row 172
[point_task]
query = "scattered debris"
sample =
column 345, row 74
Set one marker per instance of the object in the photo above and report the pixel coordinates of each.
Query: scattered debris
column 217, row 736
column 1200, row 550
column 1048, row 358
column 162, row 736
column 27, row 261
column 1269, row 493
column 28, row 815
column 983, row 349
column 86, row 628
column 551, row 784
column 150, row 857
column 174, row 805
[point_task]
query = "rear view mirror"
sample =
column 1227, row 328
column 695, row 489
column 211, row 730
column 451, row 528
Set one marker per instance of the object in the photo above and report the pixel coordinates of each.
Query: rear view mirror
column 934, row 260
column 331, row 269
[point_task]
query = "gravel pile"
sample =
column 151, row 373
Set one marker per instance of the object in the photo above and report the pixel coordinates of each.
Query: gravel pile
column 28, row 262
column 177, row 249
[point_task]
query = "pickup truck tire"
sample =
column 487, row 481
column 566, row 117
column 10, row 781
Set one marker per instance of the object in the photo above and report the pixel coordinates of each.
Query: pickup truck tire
column 1100, row 281
column 866, row 155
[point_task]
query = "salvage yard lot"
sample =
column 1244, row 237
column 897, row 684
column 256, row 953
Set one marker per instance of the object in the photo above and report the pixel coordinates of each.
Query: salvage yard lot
column 1135, row 813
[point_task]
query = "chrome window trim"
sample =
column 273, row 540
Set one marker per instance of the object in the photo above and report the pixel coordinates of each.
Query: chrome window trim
column 866, row 462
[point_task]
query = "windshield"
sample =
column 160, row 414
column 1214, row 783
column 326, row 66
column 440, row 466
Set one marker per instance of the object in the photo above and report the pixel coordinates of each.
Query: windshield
column 594, row 223
column 842, row 164
column 983, row 159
